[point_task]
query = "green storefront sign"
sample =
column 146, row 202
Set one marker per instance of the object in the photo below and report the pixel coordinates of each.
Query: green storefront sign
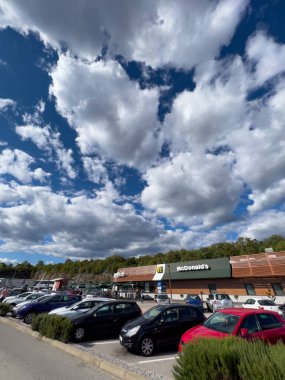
column 199, row 269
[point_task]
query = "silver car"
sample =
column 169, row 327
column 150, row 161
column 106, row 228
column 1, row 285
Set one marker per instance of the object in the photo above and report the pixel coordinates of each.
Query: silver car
column 162, row 299
column 14, row 300
column 80, row 307
column 216, row 301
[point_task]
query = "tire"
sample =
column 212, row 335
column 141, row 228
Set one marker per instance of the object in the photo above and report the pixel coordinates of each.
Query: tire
column 28, row 318
column 79, row 333
column 147, row 346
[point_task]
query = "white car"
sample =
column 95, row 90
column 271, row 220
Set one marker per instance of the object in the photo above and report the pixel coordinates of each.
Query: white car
column 14, row 300
column 80, row 307
column 261, row 304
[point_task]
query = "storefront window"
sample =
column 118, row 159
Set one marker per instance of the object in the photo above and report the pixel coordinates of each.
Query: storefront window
column 147, row 287
column 250, row 289
column 278, row 289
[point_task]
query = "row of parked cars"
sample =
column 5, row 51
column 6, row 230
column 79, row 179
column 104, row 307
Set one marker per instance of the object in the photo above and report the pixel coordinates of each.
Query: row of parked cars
column 219, row 301
column 162, row 325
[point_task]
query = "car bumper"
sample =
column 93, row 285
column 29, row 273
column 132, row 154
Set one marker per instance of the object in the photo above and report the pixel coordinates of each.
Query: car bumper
column 129, row 343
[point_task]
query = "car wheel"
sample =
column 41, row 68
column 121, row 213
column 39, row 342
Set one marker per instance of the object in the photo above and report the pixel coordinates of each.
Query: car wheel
column 79, row 333
column 28, row 318
column 147, row 346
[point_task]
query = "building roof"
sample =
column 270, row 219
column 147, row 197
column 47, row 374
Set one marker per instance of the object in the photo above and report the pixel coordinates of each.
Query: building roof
column 144, row 273
column 259, row 265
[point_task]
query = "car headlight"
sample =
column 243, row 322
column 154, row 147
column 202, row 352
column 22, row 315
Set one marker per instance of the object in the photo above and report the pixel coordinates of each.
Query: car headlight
column 133, row 331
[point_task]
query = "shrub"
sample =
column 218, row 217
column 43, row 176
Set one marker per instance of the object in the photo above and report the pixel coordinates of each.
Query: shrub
column 53, row 326
column 5, row 308
column 230, row 359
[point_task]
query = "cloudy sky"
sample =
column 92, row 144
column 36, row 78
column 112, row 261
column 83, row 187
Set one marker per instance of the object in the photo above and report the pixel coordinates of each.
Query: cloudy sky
column 137, row 127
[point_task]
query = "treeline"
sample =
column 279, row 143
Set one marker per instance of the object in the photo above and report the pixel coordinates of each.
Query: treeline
column 102, row 270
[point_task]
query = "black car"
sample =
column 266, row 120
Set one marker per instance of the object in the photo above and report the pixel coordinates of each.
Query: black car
column 160, row 326
column 105, row 319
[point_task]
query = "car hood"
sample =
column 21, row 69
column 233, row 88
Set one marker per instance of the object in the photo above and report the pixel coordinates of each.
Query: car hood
column 202, row 332
column 66, row 311
column 60, row 310
column 140, row 321
column 10, row 298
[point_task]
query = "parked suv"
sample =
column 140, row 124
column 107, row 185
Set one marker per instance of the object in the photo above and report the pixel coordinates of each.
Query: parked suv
column 162, row 299
column 195, row 300
column 216, row 301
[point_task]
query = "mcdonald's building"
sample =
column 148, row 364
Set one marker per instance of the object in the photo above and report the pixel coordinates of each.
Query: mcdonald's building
column 241, row 277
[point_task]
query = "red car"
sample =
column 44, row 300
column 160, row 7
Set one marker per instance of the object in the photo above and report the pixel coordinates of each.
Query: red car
column 246, row 323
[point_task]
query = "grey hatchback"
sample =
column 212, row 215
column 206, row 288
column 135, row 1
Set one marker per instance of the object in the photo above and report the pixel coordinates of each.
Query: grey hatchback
column 162, row 299
column 217, row 301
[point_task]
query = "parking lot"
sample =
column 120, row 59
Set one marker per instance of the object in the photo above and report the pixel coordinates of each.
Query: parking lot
column 158, row 366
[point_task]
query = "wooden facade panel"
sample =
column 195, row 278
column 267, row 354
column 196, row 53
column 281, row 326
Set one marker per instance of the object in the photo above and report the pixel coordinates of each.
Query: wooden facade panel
column 242, row 272
column 261, row 271
column 258, row 265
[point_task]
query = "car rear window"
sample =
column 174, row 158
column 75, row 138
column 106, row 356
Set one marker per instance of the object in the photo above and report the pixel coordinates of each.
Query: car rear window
column 222, row 297
column 266, row 303
column 193, row 297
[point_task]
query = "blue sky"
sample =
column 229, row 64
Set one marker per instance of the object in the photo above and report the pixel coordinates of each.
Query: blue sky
column 134, row 128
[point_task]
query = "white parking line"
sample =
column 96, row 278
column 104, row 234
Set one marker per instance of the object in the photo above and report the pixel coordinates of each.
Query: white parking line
column 157, row 360
column 108, row 342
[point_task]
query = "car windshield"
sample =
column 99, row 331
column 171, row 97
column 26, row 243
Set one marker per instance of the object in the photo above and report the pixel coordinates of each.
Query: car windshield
column 266, row 303
column 43, row 299
column 222, row 322
column 153, row 312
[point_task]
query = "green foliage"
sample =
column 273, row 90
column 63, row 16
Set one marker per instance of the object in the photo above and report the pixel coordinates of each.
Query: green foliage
column 5, row 308
column 102, row 270
column 230, row 359
column 53, row 326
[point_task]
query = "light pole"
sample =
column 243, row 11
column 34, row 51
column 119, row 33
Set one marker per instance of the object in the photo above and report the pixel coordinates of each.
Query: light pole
column 169, row 279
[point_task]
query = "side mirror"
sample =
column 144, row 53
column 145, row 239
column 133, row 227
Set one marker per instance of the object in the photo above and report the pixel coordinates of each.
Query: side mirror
column 162, row 320
column 244, row 333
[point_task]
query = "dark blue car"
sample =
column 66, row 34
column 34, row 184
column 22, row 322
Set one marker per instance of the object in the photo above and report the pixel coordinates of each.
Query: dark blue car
column 27, row 311
column 195, row 300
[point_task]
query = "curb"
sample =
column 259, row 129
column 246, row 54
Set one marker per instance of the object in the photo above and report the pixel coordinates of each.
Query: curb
column 104, row 365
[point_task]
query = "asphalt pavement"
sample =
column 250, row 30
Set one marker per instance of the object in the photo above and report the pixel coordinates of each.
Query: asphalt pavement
column 26, row 358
